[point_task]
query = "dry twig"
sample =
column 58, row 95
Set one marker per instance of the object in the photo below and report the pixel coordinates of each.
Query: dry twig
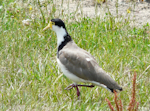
column 133, row 105
column 110, row 105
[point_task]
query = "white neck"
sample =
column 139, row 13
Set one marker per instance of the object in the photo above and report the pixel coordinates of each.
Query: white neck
column 60, row 32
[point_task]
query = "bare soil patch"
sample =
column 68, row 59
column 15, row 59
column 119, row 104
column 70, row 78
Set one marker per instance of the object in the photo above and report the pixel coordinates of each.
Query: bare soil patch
column 139, row 11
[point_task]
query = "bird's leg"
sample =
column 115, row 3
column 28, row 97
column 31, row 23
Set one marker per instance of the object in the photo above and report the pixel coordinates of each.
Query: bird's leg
column 74, row 85
column 86, row 85
column 78, row 92
column 70, row 86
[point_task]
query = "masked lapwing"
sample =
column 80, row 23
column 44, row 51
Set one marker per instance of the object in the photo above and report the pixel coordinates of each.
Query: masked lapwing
column 77, row 64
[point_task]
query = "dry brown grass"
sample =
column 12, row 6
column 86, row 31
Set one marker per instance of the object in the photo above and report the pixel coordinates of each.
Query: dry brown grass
column 133, row 104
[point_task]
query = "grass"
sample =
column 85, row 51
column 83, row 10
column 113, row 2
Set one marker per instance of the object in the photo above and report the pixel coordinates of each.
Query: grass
column 29, row 75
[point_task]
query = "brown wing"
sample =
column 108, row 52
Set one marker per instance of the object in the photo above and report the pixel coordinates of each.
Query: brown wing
column 83, row 65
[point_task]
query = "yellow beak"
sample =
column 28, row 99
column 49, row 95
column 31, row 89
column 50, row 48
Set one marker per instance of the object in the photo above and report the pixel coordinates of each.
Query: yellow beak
column 48, row 26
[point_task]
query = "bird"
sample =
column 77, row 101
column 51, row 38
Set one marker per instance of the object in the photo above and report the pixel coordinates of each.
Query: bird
column 76, row 63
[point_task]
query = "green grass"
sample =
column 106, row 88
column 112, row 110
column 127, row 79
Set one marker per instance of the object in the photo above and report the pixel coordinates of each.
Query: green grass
column 29, row 75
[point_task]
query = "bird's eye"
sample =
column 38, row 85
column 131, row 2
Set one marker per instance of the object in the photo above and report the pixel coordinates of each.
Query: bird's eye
column 53, row 23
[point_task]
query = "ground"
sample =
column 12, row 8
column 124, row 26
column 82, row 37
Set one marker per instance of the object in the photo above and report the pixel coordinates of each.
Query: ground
column 139, row 11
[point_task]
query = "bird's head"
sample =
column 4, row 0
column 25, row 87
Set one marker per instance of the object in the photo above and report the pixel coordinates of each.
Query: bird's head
column 56, row 25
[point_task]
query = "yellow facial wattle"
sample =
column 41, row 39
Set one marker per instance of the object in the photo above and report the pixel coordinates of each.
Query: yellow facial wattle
column 49, row 25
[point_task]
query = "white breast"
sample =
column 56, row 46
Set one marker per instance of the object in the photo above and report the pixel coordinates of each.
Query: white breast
column 69, row 74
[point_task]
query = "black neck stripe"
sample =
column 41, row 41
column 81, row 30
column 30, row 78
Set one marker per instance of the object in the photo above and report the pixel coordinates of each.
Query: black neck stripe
column 67, row 39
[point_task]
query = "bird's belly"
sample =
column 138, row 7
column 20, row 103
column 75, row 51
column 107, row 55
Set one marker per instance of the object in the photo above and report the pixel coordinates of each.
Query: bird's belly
column 68, row 74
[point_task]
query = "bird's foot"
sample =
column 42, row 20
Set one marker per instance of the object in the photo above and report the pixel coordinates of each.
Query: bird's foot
column 70, row 86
